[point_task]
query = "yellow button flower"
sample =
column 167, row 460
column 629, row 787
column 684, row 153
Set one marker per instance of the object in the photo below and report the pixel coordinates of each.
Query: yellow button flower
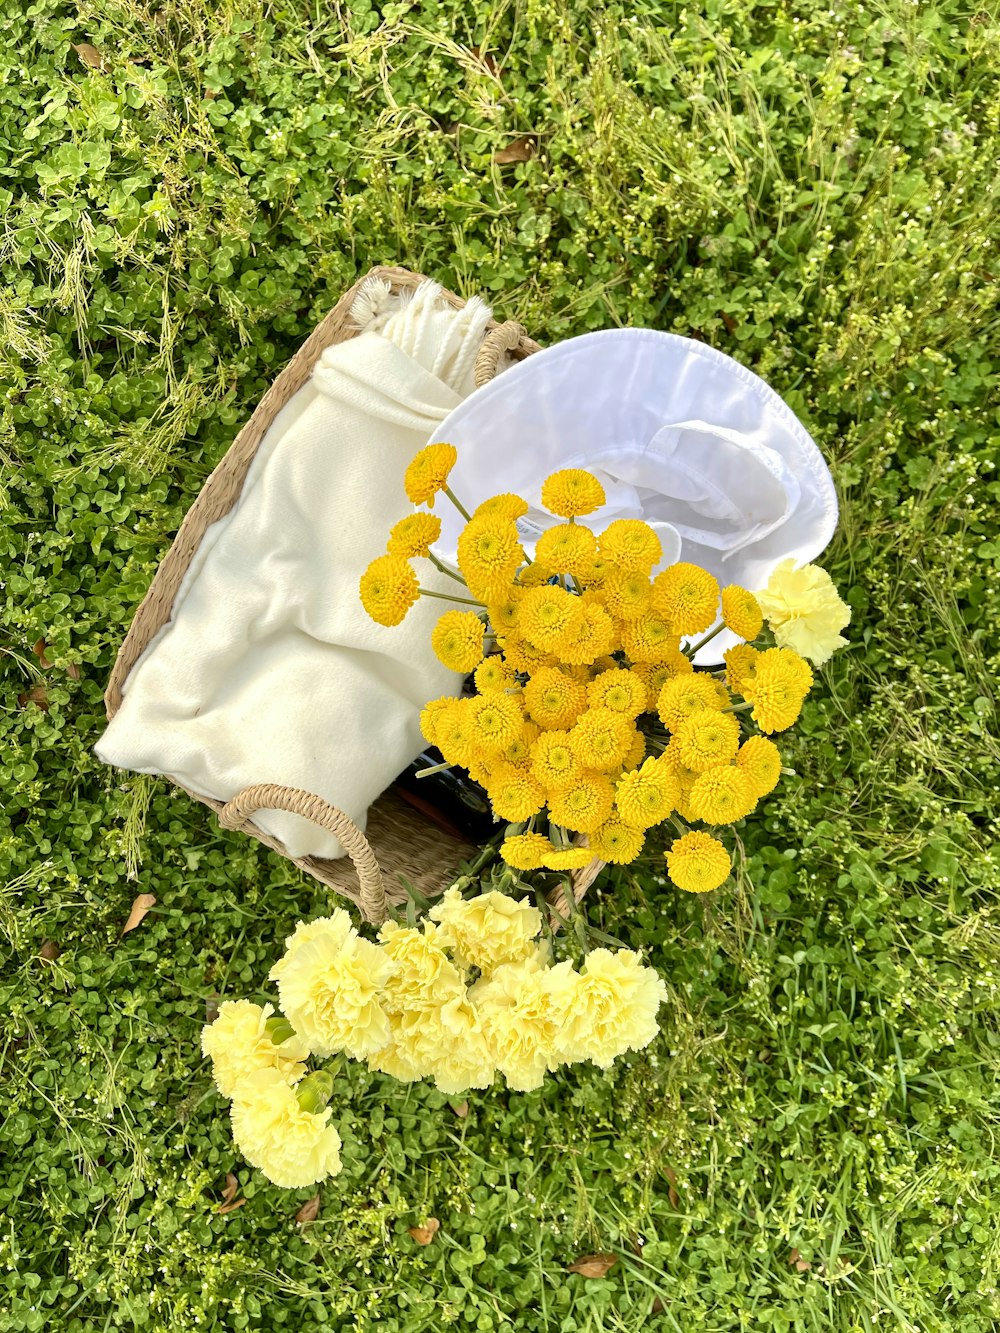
column 457, row 640
column 553, row 699
column 707, row 739
column 414, row 535
column 568, row 547
column 601, row 739
column 781, row 681
column 630, row 544
column 722, row 795
column 553, row 763
column 741, row 612
column 428, row 473
column 388, row 589
column 685, row 695
column 583, row 804
column 489, row 554
column 698, row 863
column 687, row 596
column 760, row 760
column 572, row 493
column 741, row 663
column 594, row 637
column 621, row 691
column 548, row 613
column 647, row 795
column 616, row 842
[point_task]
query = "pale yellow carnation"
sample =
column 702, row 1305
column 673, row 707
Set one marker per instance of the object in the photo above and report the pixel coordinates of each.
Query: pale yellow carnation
column 520, row 1021
column 446, row 1044
column 487, row 931
column 424, row 976
column 804, row 611
column 607, row 1008
column 238, row 1044
column 330, row 982
column 292, row 1146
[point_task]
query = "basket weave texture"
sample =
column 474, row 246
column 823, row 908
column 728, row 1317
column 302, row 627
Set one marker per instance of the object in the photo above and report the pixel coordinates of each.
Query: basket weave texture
column 399, row 841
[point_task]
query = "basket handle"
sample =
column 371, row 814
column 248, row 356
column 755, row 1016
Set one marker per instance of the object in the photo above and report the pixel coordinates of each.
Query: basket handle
column 268, row 796
column 504, row 338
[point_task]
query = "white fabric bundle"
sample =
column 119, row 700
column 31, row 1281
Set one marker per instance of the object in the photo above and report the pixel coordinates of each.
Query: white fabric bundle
column 269, row 670
column 680, row 435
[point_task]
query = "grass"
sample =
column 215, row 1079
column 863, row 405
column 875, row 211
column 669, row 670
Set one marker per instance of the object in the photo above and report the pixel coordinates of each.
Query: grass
column 810, row 1144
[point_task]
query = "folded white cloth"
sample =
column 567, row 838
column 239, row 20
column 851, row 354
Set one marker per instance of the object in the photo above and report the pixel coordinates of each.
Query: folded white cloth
column 680, row 435
column 269, row 670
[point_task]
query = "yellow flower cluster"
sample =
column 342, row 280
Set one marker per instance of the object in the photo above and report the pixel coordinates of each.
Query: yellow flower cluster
column 590, row 725
column 470, row 994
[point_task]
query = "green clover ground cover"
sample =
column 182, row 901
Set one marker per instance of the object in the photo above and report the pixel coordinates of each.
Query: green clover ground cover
column 186, row 188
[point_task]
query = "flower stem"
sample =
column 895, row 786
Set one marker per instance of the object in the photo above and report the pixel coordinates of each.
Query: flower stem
column 436, row 768
column 457, row 503
column 738, row 708
column 696, row 647
column 448, row 597
column 439, row 564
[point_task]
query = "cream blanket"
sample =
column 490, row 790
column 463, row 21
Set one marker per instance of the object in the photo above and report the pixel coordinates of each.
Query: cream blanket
column 269, row 670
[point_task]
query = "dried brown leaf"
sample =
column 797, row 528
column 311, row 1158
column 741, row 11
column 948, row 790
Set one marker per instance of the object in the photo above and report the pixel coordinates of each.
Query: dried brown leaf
column 39, row 650
column 212, row 1008
column 521, row 150
column 801, row 1265
column 140, row 907
column 49, row 951
column 668, row 1171
column 657, row 1307
column 36, row 695
column 594, row 1265
column 425, row 1234
column 309, row 1211
column 488, row 61
column 89, row 55
column 224, row 1208
column 232, row 1185
column 73, row 671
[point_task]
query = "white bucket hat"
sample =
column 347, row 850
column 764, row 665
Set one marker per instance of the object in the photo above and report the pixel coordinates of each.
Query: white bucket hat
column 679, row 434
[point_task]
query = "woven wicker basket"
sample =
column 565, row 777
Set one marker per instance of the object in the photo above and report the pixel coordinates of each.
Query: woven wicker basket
column 399, row 840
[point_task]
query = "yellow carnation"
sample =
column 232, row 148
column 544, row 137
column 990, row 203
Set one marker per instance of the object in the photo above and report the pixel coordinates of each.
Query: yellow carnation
column 629, row 543
column 462, row 1058
column 607, row 1008
column 572, row 493
column 647, row 795
column 583, row 804
column 568, row 547
column 457, row 640
column 601, row 739
column 330, row 983
column 290, row 1145
column 707, row 739
column 488, row 556
column 616, row 841
column 414, row 535
column 804, row 611
column 760, row 760
column 687, row 596
column 722, row 795
column 741, row 612
column 553, row 699
column 388, row 588
column 621, row 691
column 423, row 976
column 487, row 931
column 520, row 1022
column 239, row 1043
column 428, row 473
column 684, row 696
column 698, row 863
